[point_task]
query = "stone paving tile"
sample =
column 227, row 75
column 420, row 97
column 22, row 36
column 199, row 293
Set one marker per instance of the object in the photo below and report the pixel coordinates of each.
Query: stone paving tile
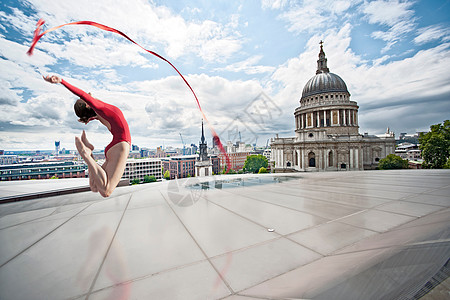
column 410, row 209
column 198, row 281
column 330, row 237
column 245, row 268
column 376, row 220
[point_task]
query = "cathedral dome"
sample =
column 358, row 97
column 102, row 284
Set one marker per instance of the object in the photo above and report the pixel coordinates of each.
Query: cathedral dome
column 323, row 83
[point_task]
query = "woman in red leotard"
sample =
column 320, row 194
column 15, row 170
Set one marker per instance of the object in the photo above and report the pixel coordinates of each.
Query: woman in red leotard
column 102, row 179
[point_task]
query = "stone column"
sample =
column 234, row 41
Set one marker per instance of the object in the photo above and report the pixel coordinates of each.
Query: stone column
column 345, row 117
column 300, row 158
column 301, row 121
column 279, row 157
column 339, row 117
column 282, row 157
column 351, row 159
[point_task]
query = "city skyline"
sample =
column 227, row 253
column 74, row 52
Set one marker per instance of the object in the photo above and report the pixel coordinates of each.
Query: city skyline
column 247, row 62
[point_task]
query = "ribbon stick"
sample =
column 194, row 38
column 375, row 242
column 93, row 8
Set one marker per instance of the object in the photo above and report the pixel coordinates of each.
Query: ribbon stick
column 37, row 36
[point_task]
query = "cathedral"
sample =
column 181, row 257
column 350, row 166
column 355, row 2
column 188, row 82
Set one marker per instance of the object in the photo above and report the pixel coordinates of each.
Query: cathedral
column 326, row 130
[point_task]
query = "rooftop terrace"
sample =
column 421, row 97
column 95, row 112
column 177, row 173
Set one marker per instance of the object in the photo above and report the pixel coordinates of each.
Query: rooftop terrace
column 340, row 235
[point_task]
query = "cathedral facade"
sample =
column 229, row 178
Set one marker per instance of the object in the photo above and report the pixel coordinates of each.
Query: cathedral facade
column 326, row 130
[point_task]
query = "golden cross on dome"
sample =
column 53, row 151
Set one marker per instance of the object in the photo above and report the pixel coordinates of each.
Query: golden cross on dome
column 321, row 43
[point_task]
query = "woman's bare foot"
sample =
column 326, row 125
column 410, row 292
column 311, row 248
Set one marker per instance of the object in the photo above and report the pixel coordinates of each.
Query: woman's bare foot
column 82, row 148
column 85, row 141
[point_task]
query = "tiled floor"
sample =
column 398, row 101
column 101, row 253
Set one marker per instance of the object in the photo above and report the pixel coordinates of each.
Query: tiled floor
column 343, row 235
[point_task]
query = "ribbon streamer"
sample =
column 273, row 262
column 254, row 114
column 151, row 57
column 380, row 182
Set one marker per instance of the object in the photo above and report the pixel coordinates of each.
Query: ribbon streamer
column 37, row 36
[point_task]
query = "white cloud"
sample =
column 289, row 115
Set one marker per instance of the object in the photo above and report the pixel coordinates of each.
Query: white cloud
column 248, row 66
column 16, row 53
column 97, row 51
column 273, row 4
column 8, row 96
column 20, row 71
column 147, row 24
column 394, row 34
column 19, row 21
column 388, row 12
column 395, row 14
column 432, row 33
column 312, row 15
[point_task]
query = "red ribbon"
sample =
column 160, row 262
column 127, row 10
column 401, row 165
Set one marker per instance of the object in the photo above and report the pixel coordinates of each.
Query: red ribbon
column 37, row 36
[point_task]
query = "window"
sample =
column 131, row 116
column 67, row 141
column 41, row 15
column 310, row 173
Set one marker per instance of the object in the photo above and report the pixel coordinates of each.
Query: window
column 330, row 159
column 312, row 160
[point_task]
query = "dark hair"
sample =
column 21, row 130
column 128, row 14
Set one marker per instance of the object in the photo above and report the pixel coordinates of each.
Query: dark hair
column 83, row 112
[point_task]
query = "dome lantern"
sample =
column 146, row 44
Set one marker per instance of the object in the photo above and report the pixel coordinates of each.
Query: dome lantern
column 322, row 62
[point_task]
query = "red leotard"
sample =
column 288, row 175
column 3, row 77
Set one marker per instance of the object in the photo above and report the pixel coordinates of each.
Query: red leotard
column 112, row 114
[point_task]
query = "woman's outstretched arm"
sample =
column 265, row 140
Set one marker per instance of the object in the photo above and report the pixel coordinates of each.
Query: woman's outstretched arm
column 91, row 101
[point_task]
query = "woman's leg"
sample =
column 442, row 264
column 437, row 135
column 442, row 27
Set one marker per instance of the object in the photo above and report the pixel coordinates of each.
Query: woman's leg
column 107, row 178
column 90, row 146
column 114, row 165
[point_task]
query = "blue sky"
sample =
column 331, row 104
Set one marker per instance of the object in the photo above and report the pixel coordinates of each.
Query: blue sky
column 393, row 55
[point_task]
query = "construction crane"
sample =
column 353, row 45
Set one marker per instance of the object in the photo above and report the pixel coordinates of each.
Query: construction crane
column 254, row 145
column 184, row 145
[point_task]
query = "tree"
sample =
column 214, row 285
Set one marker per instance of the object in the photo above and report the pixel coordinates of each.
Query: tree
column 435, row 146
column 229, row 172
column 254, row 162
column 167, row 175
column 148, row 179
column 447, row 164
column 135, row 181
column 262, row 170
column 392, row 161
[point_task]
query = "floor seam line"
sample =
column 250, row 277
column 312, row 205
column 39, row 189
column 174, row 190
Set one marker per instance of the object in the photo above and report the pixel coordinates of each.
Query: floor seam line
column 267, row 241
column 44, row 236
column 107, row 251
column 280, row 205
column 201, row 249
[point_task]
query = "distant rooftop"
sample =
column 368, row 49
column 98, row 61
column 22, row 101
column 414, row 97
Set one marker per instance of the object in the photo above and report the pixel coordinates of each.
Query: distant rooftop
column 331, row 235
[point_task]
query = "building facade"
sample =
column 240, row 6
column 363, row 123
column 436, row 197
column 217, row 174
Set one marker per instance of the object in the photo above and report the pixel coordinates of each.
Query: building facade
column 26, row 171
column 409, row 151
column 237, row 160
column 8, row 159
column 180, row 166
column 138, row 168
column 326, row 130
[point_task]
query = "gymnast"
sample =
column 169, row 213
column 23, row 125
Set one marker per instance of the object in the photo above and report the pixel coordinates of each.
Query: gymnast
column 102, row 179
